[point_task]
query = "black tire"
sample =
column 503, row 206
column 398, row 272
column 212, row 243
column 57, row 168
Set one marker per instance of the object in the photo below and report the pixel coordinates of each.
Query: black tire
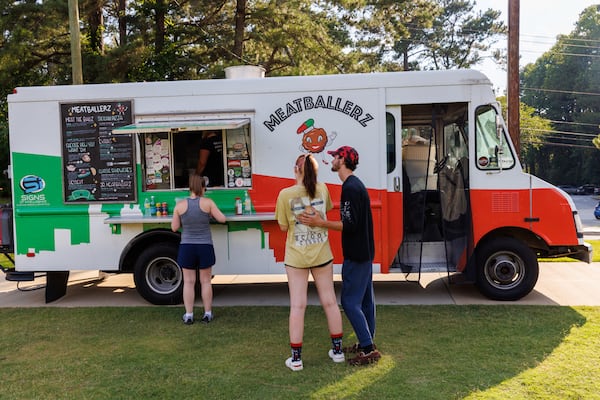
column 157, row 277
column 506, row 269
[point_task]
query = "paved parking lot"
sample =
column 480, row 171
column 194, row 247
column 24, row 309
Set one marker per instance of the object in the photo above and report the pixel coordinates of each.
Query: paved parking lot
column 567, row 284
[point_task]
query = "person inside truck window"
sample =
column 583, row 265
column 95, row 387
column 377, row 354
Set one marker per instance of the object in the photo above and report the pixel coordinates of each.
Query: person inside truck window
column 210, row 158
column 307, row 251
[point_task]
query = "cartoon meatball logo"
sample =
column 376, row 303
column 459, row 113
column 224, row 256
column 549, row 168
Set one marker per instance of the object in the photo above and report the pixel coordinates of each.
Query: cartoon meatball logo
column 314, row 140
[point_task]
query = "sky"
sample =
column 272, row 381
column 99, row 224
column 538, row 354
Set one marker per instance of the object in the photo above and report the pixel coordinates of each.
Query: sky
column 540, row 21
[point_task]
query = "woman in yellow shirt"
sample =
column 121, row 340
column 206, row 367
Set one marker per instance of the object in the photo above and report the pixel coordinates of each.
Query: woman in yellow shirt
column 307, row 250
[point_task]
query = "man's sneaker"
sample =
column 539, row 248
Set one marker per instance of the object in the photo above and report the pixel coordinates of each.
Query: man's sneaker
column 294, row 365
column 364, row 359
column 355, row 348
column 188, row 320
column 207, row 318
column 336, row 357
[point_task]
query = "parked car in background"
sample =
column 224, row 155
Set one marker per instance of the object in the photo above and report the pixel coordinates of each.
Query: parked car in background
column 597, row 211
column 586, row 189
column 570, row 189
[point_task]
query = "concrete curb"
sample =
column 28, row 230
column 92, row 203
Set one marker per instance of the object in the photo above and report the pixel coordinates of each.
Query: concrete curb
column 560, row 283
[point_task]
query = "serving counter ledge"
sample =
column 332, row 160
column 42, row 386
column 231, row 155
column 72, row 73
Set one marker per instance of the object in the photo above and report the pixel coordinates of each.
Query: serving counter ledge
column 140, row 219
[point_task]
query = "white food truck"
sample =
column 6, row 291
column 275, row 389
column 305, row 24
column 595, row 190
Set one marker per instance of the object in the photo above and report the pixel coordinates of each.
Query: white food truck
column 447, row 190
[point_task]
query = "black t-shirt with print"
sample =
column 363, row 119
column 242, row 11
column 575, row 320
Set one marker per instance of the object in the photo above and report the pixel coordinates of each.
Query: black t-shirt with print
column 214, row 169
column 355, row 211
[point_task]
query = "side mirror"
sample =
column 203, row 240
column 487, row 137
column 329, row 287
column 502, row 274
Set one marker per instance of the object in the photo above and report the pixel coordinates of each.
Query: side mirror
column 499, row 134
column 498, row 127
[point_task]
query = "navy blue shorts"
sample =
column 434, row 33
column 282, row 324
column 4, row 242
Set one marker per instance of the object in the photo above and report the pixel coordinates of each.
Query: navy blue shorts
column 196, row 256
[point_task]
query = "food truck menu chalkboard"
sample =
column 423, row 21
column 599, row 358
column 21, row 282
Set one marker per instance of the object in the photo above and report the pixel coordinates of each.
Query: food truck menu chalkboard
column 98, row 166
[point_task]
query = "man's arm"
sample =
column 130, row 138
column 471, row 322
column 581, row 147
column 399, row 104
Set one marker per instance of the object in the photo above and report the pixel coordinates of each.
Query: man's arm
column 316, row 220
column 202, row 160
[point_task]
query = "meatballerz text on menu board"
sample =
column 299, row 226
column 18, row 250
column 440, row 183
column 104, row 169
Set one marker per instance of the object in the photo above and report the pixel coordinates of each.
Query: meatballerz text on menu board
column 98, row 166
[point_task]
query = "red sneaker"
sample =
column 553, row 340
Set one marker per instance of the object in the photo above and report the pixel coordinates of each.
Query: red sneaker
column 365, row 359
column 355, row 348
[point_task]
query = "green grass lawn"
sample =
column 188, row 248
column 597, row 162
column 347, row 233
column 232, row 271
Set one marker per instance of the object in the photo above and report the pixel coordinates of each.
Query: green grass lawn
column 429, row 352
column 596, row 248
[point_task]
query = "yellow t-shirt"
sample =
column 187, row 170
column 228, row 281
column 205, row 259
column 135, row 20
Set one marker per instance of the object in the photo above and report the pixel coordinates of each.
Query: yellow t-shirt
column 305, row 246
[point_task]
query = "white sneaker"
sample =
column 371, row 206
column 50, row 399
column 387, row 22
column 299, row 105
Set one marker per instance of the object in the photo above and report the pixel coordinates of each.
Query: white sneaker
column 294, row 365
column 188, row 319
column 337, row 358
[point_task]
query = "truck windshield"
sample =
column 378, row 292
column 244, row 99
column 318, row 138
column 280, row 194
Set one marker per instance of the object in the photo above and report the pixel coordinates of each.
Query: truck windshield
column 493, row 151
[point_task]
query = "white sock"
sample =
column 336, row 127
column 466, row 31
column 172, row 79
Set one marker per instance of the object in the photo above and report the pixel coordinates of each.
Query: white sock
column 188, row 315
column 208, row 313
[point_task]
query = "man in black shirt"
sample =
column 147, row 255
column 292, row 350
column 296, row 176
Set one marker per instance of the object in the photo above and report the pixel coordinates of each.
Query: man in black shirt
column 358, row 247
column 210, row 159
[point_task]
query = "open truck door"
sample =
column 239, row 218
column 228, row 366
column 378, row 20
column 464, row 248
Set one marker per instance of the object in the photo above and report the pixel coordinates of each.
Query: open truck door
column 433, row 171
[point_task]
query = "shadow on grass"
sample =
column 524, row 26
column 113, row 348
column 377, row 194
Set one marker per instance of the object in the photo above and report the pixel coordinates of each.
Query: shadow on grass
column 429, row 352
column 447, row 351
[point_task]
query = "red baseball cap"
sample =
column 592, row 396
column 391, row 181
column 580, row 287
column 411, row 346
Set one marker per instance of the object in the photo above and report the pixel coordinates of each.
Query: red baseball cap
column 349, row 154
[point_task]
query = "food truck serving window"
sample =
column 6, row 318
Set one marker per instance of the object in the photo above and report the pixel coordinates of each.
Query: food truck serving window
column 173, row 149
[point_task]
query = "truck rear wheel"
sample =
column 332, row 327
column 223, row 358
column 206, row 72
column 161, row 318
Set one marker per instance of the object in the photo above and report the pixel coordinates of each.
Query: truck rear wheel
column 157, row 277
column 506, row 269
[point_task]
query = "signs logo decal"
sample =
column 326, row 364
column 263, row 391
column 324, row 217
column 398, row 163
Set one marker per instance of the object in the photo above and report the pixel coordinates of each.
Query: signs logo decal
column 32, row 184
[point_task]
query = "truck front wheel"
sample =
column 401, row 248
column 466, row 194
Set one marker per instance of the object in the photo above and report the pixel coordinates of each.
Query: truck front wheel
column 506, row 269
column 157, row 277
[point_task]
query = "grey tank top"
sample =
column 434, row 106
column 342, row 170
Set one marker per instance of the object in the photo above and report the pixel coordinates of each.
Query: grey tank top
column 195, row 224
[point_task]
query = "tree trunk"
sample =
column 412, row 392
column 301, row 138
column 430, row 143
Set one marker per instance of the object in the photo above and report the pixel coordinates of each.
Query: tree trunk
column 96, row 26
column 122, row 6
column 240, row 25
column 159, row 21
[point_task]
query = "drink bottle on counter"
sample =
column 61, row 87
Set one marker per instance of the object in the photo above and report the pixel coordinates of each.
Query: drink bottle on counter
column 247, row 203
column 152, row 206
column 238, row 206
column 146, row 207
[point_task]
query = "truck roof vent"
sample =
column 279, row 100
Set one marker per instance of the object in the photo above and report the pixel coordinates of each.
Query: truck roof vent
column 244, row 72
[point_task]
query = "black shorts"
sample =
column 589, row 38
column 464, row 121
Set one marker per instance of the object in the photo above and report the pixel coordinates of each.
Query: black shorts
column 314, row 266
column 196, row 256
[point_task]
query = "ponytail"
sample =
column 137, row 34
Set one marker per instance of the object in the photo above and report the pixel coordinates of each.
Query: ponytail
column 310, row 175
column 197, row 184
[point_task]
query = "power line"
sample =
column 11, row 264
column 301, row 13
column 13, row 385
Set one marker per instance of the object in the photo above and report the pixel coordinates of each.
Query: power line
column 561, row 132
column 566, row 139
column 548, row 39
column 561, row 91
column 560, row 144
column 563, row 37
column 564, row 43
column 574, row 123
column 562, row 53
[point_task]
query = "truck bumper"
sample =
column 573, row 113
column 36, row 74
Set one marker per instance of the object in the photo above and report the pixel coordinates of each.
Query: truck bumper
column 583, row 253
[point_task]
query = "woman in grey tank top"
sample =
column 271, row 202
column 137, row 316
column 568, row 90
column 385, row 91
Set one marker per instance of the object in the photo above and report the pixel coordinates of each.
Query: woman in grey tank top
column 196, row 251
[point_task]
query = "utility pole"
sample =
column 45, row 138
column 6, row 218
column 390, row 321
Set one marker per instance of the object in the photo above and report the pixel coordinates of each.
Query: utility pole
column 513, row 86
column 76, row 70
